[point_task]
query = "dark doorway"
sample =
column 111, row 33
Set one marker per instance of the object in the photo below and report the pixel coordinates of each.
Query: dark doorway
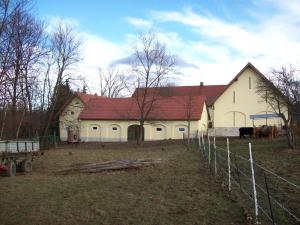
column 133, row 133
column 73, row 134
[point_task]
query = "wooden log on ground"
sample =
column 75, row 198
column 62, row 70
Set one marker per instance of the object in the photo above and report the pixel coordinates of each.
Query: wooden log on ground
column 109, row 166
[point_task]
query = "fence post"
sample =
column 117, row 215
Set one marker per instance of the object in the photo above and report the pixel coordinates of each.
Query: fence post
column 228, row 161
column 54, row 139
column 237, row 171
column 253, row 184
column 199, row 140
column 203, row 143
column 269, row 199
column 208, row 140
column 215, row 151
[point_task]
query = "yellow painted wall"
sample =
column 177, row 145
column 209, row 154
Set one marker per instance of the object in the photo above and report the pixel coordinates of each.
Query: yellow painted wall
column 238, row 102
column 67, row 119
column 203, row 123
column 158, row 132
column 94, row 131
column 114, row 132
column 169, row 130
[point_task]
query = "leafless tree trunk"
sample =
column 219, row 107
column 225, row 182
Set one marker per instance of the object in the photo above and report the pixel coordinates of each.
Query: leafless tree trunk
column 151, row 65
column 189, row 109
column 65, row 52
column 46, row 84
column 20, row 37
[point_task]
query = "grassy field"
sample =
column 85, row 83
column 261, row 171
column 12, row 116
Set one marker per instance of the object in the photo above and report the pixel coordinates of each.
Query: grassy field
column 273, row 155
column 178, row 191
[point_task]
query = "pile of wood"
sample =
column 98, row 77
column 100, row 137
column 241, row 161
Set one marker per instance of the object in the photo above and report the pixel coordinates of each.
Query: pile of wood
column 109, row 166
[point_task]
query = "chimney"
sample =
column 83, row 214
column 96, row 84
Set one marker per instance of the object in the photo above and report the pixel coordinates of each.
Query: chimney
column 95, row 94
column 201, row 84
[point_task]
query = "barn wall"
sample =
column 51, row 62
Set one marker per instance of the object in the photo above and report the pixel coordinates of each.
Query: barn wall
column 203, row 123
column 224, row 131
column 66, row 119
column 234, row 107
column 169, row 130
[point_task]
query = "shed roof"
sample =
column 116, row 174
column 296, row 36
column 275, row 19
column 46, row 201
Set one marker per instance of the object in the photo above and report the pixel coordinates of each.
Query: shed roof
column 209, row 92
column 82, row 96
column 86, row 97
column 164, row 108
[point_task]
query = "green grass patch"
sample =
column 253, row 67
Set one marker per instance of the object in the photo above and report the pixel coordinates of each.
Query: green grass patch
column 177, row 191
column 272, row 155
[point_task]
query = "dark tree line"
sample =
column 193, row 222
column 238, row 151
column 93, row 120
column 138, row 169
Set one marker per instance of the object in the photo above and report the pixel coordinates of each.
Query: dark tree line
column 33, row 71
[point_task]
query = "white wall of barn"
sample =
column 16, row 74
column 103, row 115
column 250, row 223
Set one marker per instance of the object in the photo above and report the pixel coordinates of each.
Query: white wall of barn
column 69, row 118
column 233, row 108
column 115, row 131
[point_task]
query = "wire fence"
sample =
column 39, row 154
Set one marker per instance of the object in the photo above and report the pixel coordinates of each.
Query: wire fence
column 268, row 196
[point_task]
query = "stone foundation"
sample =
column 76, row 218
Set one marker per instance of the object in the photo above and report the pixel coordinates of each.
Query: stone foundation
column 224, row 131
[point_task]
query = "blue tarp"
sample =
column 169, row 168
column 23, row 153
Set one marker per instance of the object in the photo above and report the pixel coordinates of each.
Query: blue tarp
column 264, row 116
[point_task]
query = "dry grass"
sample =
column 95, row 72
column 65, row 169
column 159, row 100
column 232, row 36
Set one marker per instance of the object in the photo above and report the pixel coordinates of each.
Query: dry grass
column 273, row 155
column 177, row 191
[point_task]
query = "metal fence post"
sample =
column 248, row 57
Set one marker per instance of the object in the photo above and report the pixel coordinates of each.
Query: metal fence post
column 208, row 150
column 199, row 140
column 203, row 142
column 237, row 171
column 269, row 199
column 215, row 151
column 228, row 161
column 253, row 184
column 54, row 139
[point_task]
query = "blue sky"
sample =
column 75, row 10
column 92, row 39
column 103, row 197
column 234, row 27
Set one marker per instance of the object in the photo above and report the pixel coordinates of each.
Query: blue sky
column 109, row 18
column 217, row 38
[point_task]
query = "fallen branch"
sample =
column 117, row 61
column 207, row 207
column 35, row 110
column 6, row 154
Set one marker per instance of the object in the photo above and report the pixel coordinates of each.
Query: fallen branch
column 109, row 166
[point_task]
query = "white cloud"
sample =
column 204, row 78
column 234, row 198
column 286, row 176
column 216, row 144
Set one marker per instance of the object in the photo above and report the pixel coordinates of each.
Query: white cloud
column 96, row 52
column 224, row 48
column 218, row 50
column 54, row 21
column 139, row 23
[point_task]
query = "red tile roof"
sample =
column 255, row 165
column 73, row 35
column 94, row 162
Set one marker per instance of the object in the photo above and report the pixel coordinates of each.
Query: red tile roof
column 165, row 108
column 86, row 97
column 210, row 92
column 83, row 97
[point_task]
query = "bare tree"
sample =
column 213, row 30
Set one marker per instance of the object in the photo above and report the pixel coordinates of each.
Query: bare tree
column 113, row 83
column 21, row 38
column 282, row 92
column 28, row 99
column 65, row 53
column 190, row 108
column 7, row 9
column 151, row 65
